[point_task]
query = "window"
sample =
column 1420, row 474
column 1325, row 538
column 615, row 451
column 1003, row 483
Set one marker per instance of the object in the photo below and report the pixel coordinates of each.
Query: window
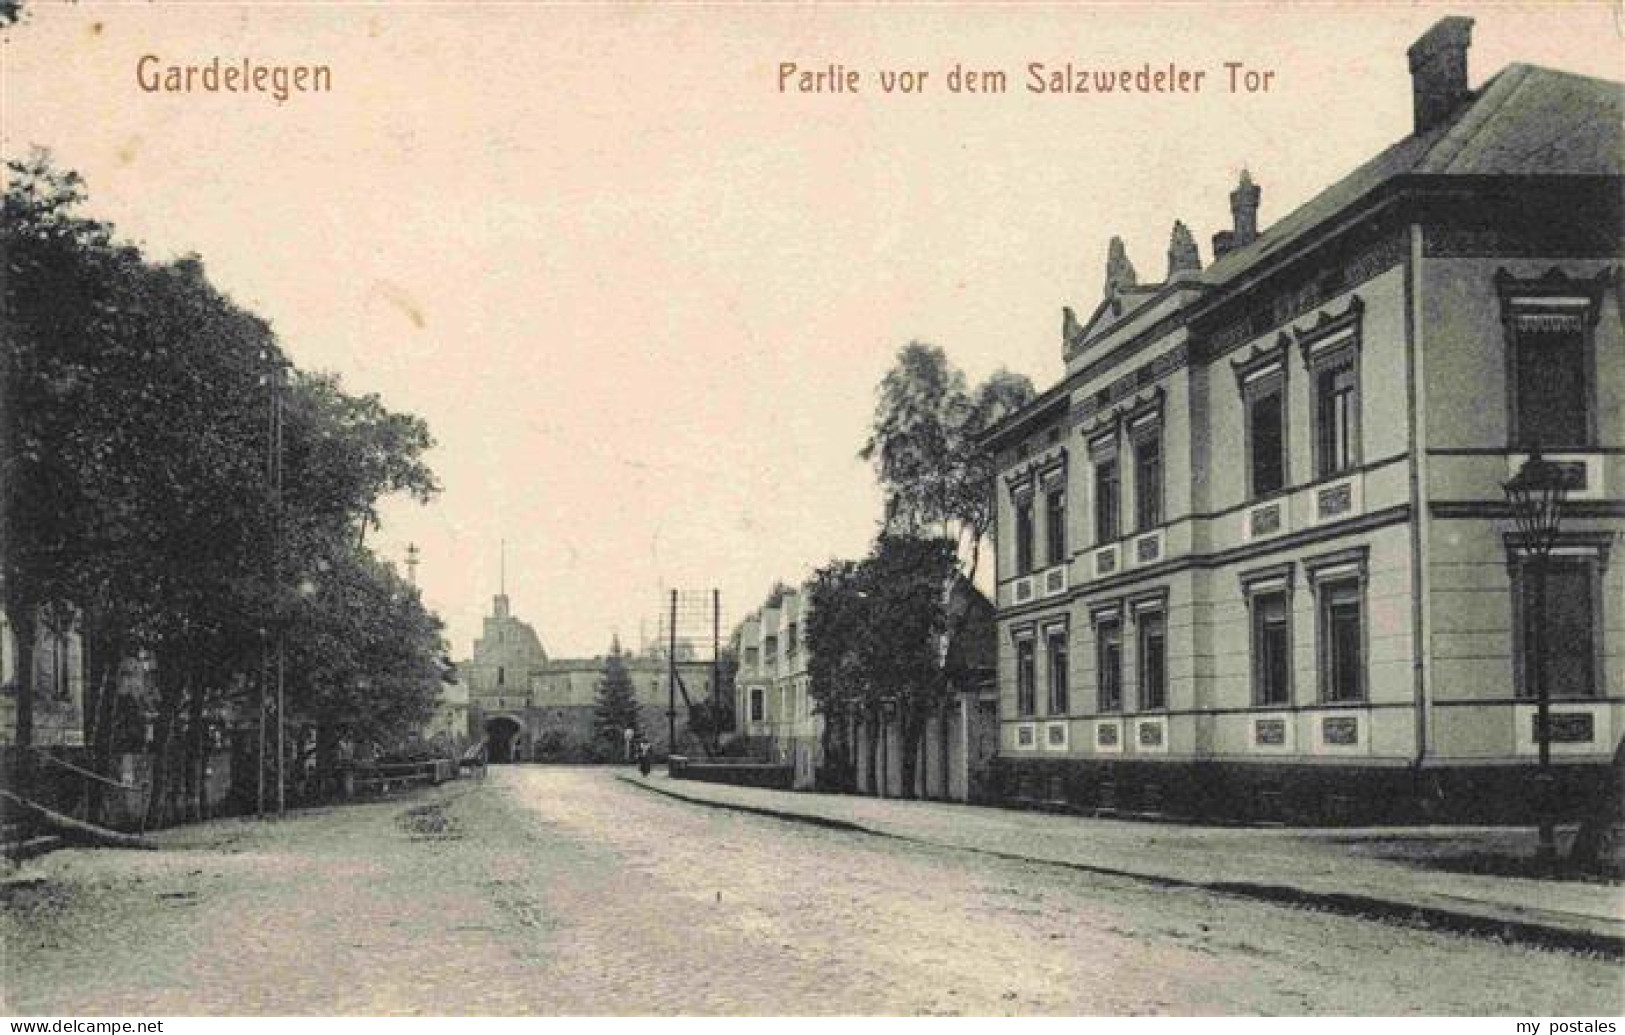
column 1272, row 648
column 752, row 657
column 1026, row 677
column 1106, row 498
column 1565, row 627
column 790, row 643
column 1153, row 661
column 501, row 676
column 1338, row 580
column 1342, row 654
column 1266, row 435
column 1109, row 665
column 1024, row 535
column 758, row 704
column 772, row 649
column 1148, row 479
column 1551, row 365
column 1059, row 696
column 1055, row 523
column 1337, row 416
column 1549, row 374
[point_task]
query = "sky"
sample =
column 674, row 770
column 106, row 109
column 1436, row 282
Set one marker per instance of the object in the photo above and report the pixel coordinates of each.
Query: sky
column 642, row 295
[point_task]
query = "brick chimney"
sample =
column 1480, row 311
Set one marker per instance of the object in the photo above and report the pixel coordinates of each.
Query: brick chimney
column 1243, row 216
column 1244, row 210
column 1439, row 71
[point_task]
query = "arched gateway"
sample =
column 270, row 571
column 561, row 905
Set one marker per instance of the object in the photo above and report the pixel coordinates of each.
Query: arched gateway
column 504, row 739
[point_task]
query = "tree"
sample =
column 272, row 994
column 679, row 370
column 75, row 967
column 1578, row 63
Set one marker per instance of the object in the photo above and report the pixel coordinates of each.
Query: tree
column 926, row 444
column 937, row 480
column 874, row 640
column 839, row 624
column 616, row 708
column 136, row 502
column 905, row 652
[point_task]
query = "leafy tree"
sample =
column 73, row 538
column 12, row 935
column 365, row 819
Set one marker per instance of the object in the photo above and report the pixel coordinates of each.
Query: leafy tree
column 616, row 708
column 839, row 623
column 874, row 638
column 936, row 476
column 905, row 649
column 136, row 502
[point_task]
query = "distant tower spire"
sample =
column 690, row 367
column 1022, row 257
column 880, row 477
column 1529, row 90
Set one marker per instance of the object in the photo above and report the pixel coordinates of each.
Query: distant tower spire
column 499, row 606
column 412, row 563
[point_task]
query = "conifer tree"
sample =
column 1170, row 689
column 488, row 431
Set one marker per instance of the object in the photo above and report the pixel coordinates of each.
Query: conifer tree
column 616, row 708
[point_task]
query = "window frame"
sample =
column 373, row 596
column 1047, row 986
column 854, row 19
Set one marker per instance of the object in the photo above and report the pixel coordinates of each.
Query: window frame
column 1108, row 520
column 1060, row 675
column 1026, row 552
column 1026, row 675
column 1590, row 551
column 758, row 704
column 1055, row 521
column 1277, row 580
column 1271, row 384
column 1328, row 574
column 1145, row 618
column 1260, row 374
column 1331, row 346
column 1557, row 297
column 1345, row 359
column 1140, row 435
column 1108, row 632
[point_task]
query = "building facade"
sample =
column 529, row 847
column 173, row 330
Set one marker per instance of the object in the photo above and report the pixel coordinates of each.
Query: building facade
column 58, row 682
column 772, row 706
column 1255, row 559
column 527, row 706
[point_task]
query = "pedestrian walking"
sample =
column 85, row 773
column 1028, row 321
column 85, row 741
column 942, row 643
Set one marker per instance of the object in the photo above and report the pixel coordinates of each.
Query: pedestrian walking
column 643, row 757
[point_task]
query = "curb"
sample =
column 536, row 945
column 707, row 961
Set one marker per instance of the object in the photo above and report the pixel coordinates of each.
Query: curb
column 1408, row 914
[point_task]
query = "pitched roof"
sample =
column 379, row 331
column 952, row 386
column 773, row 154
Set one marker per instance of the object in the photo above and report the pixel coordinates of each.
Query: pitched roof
column 1526, row 121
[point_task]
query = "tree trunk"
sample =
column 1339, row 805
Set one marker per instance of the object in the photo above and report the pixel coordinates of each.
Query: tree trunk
column 169, row 705
column 327, row 756
column 107, row 735
column 200, row 749
column 196, row 751
column 877, row 784
column 911, row 740
column 25, row 627
column 1602, row 813
column 944, row 740
column 102, row 682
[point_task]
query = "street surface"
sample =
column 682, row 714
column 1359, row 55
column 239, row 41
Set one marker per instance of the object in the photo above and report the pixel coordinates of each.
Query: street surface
column 547, row 890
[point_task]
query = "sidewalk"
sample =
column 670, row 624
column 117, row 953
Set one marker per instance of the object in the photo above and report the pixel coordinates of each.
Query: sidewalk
column 1333, row 869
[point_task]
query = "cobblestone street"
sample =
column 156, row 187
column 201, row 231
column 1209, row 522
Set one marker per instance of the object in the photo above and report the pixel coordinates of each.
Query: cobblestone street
column 567, row 891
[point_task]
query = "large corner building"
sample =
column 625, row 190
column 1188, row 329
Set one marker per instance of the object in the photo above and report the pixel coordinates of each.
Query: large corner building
column 1254, row 555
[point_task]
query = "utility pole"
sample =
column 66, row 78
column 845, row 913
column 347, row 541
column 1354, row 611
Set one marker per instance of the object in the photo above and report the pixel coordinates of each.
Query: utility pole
column 671, row 681
column 716, row 647
column 277, row 373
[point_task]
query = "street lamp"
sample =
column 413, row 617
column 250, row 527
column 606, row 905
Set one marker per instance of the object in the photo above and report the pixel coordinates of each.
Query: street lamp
column 1536, row 495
